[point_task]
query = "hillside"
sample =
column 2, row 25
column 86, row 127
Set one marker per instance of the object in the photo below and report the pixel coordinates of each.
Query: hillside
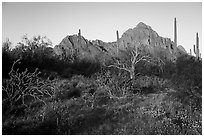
column 141, row 84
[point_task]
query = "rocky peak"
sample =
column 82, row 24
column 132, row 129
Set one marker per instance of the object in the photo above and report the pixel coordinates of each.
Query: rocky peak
column 145, row 38
column 80, row 47
column 143, row 26
column 142, row 36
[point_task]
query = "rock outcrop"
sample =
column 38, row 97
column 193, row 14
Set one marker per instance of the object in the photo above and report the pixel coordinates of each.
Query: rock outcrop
column 85, row 50
column 146, row 39
column 142, row 36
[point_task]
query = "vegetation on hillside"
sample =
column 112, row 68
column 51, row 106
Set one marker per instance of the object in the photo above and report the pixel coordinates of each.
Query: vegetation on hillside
column 44, row 94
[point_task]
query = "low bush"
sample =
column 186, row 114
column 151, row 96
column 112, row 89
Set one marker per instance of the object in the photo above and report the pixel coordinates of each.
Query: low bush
column 22, row 86
column 188, row 71
column 148, row 84
column 188, row 81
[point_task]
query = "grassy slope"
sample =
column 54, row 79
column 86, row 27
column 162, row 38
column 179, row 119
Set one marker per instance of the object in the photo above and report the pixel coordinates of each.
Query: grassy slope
column 145, row 112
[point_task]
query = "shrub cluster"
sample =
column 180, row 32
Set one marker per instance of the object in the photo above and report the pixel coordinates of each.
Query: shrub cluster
column 22, row 86
column 107, row 110
column 38, row 53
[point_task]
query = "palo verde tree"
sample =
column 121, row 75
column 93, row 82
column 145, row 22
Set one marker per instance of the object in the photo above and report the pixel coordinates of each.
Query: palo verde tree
column 6, row 57
column 132, row 58
column 35, row 45
column 35, row 52
column 6, row 45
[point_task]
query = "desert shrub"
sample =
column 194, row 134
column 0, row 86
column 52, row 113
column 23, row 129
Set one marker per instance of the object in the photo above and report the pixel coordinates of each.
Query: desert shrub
column 34, row 53
column 72, row 117
column 102, row 113
column 87, row 68
column 148, row 69
column 184, row 116
column 169, row 69
column 24, row 85
column 80, row 67
column 158, row 116
column 148, row 84
column 6, row 64
column 101, row 97
column 188, row 97
column 73, row 87
column 47, row 74
column 68, row 93
column 62, row 91
column 7, row 59
column 189, row 70
column 68, row 72
column 188, row 81
column 117, row 84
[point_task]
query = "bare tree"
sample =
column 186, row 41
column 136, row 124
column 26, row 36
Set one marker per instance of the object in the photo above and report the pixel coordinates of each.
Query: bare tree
column 6, row 45
column 129, row 65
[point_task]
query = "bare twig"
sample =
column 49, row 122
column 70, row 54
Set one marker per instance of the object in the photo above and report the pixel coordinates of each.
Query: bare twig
column 135, row 59
column 22, row 84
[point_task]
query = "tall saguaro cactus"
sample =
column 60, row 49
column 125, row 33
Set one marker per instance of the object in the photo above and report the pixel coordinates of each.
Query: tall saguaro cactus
column 79, row 32
column 117, row 40
column 175, row 32
column 196, row 47
column 79, row 44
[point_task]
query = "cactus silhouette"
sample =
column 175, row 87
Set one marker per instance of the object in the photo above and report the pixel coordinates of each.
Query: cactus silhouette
column 79, row 44
column 117, row 33
column 196, row 47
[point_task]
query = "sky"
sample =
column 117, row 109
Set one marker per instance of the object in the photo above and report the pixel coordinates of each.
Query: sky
column 100, row 20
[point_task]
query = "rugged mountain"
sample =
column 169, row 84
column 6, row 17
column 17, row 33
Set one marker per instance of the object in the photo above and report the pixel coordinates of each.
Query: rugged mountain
column 148, row 41
column 142, row 36
column 80, row 47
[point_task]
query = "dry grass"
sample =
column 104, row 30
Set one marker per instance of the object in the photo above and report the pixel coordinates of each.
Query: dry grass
column 107, row 112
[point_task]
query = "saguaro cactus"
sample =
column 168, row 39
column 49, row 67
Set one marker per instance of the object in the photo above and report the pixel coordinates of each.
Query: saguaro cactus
column 196, row 47
column 117, row 33
column 79, row 34
column 117, row 40
column 79, row 44
column 190, row 52
column 175, row 32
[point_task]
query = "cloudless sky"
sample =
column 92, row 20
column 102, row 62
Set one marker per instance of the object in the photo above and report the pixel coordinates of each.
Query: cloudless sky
column 100, row 20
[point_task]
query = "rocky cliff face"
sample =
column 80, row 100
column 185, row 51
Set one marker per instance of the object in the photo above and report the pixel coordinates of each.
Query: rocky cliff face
column 142, row 36
column 79, row 46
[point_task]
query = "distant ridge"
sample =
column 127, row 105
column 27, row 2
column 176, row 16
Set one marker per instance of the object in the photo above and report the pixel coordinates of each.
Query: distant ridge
column 142, row 36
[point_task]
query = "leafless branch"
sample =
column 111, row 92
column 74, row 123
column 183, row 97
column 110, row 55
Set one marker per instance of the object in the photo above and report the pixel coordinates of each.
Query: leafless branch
column 135, row 59
column 23, row 84
column 122, row 68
